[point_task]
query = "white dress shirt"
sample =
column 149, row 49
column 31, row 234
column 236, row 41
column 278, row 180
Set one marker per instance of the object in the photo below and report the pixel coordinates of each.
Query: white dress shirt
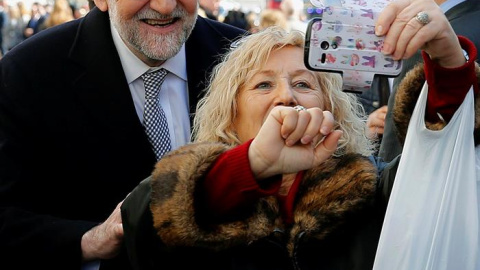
column 173, row 95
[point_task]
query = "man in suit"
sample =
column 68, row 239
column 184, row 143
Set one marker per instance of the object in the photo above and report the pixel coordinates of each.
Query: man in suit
column 72, row 143
column 463, row 16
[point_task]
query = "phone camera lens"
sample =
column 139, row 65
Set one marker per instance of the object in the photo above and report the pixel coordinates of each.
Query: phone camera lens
column 334, row 46
column 324, row 45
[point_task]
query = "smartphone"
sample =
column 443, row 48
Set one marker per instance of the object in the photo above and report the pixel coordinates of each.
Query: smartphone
column 343, row 40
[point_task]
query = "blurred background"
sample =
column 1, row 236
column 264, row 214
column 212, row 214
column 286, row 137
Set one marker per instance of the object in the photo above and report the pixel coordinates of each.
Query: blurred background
column 20, row 19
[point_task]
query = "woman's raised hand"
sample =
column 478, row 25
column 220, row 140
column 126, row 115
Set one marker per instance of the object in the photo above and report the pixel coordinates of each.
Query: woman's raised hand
column 410, row 25
column 292, row 140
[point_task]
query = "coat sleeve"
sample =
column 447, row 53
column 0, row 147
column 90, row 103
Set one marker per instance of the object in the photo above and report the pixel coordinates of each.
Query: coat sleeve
column 140, row 241
column 447, row 88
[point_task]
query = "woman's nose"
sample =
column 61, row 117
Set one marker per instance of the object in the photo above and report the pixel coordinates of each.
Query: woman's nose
column 286, row 96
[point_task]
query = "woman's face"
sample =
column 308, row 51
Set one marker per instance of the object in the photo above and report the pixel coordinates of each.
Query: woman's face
column 284, row 80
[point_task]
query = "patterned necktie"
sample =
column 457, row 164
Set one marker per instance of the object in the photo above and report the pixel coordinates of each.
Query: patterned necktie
column 154, row 119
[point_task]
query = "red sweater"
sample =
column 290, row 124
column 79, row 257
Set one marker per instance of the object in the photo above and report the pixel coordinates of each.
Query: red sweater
column 230, row 184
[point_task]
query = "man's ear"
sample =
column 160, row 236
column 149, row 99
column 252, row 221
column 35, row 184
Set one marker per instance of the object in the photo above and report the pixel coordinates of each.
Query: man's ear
column 101, row 4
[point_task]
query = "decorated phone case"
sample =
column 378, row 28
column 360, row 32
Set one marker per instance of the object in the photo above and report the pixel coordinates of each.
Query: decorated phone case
column 344, row 41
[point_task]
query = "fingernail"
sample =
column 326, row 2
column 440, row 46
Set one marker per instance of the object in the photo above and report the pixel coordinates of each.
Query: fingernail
column 379, row 30
column 306, row 139
column 324, row 130
column 386, row 48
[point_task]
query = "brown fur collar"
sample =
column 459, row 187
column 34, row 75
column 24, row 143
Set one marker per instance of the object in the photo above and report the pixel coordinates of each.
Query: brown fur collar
column 407, row 94
column 326, row 195
column 173, row 207
column 331, row 191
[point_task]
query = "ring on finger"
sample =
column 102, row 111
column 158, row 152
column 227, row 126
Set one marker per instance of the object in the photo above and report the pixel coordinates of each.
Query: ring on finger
column 299, row 108
column 422, row 17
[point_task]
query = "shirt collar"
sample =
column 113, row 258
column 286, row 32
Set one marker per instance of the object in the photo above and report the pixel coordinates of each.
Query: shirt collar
column 134, row 67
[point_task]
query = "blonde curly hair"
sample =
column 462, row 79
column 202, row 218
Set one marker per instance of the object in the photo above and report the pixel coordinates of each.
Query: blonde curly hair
column 217, row 110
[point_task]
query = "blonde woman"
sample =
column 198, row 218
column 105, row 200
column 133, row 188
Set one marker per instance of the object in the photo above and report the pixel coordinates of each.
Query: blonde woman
column 61, row 13
column 280, row 174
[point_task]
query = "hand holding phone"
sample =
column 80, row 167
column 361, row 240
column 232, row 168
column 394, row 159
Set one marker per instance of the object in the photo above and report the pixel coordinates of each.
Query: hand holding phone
column 344, row 41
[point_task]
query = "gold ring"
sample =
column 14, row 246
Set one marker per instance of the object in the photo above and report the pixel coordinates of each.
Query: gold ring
column 422, row 17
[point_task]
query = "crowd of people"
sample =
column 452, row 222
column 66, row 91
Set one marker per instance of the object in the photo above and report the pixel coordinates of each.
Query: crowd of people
column 163, row 135
column 290, row 15
column 19, row 22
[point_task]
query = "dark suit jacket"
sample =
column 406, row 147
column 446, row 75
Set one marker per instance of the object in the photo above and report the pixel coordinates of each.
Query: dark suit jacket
column 376, row 96
column 71, row 144
column 464, row 19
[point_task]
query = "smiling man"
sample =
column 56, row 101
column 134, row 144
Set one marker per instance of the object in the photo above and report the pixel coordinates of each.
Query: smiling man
column 73, row 132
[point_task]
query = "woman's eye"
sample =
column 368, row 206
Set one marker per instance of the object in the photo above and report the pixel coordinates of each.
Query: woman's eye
column 263, row 85
column 301, row 85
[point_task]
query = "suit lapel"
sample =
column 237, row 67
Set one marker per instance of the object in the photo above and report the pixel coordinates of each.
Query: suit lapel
column 101, row 84
column 208, row 41
column 198, row 61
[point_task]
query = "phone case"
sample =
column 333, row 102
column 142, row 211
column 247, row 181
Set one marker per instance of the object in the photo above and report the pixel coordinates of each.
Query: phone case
column 344, row 41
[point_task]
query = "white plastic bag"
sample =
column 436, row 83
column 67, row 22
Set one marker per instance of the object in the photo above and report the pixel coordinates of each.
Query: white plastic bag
column 432, row 218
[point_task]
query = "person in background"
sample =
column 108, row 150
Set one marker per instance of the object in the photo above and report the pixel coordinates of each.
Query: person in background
column 463, row 17
column 37, row 16
column 253, row 20
column 374, row 101
column 294, row 13
column 61, row 13
column 237, row 18
column 3, row 23
column 91, row 4
column 80, row 9
column 209, row 9
column 13, row 29
column 72, row 137
column 24, row 11
column 272, row 17
column 280, row 174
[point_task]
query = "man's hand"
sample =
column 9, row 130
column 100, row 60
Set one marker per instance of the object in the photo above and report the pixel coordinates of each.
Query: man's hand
column 105, row 240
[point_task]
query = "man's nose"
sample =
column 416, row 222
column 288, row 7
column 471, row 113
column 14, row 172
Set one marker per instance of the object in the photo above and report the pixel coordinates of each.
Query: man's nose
column 163, row 6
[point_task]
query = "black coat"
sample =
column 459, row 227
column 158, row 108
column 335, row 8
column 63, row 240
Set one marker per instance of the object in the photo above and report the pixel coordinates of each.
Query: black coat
column 71, row 144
